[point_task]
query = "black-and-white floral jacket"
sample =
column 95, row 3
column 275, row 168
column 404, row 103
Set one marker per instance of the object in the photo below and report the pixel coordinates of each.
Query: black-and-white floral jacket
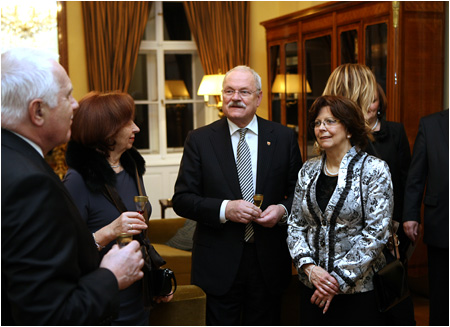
column 338, row 239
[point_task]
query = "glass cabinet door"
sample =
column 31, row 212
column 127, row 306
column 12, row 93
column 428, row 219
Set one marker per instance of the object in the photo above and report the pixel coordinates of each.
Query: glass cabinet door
column 376, row 51
column 293, row 86
column 349, row 47
column 318, row 69
column 276, row 94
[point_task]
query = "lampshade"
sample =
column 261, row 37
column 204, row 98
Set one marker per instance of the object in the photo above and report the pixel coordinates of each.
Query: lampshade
column 176, row 89
column 211, row 85
column 293, row 84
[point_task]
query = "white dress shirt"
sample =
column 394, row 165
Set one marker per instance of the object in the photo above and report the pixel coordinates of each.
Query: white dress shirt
column 251, row 137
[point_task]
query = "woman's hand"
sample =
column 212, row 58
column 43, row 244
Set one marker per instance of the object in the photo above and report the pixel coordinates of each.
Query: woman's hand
column 321, row 301
column 159, row 299
column 326, row 286
column 129, row 222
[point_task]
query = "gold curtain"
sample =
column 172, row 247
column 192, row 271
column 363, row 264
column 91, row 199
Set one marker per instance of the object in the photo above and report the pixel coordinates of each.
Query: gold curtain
column 221, row 32
column 113, row 32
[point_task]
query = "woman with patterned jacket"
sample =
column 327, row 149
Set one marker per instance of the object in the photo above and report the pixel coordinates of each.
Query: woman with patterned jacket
column 340, row 219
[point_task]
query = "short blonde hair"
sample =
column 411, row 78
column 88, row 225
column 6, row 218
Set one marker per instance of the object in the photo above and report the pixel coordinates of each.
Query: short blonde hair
column 353, row 81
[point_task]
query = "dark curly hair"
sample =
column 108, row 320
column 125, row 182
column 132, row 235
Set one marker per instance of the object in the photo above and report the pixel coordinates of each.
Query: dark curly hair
column 349, row 115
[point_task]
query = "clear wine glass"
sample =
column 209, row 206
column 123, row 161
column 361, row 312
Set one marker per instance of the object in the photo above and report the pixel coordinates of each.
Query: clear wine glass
column 140, row 201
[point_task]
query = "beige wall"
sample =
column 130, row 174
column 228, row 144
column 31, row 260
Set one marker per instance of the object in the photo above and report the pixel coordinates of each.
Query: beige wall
column 77, row 53
column 259, row 11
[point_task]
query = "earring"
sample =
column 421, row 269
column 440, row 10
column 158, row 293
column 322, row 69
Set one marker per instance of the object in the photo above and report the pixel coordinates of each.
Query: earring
column 349, row 136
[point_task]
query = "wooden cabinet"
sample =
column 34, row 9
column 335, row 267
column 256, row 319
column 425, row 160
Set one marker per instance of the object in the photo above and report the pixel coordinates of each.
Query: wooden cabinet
column 401, row 41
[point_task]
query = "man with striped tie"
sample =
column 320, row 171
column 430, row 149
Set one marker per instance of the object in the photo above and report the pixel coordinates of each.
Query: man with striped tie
column 240, row 257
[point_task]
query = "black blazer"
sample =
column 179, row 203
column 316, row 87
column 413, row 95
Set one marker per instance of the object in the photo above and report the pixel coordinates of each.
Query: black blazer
column 429, row 166
column 50, row 273
column 208, row 175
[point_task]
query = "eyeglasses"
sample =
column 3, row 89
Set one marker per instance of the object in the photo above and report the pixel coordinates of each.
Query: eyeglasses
column 329, row 122
column 242, row 93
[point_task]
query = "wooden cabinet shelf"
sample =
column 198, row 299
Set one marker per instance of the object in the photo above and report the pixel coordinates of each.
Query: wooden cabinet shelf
column 401, row 41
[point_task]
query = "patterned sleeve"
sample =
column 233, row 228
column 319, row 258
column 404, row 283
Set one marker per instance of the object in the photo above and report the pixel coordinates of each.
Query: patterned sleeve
column 298, row 225
column 378, row 208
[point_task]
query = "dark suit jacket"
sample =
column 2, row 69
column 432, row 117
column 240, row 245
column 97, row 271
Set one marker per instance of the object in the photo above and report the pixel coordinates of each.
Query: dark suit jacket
column 429, row 167
column 208, row 175
column 391, row 144
column 50, row 273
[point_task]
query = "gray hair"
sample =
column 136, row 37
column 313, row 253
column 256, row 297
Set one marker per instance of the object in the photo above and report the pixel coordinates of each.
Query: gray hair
column 27, row 74
column 246, row 69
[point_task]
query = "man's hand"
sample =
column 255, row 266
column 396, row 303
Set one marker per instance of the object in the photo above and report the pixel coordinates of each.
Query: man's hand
column 241, row 211
column 125, row 263
column 411, row 229
column 271, row 216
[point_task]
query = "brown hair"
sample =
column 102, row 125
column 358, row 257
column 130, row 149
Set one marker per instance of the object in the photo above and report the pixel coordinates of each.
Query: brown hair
column 382, row 102
column 100, row 117
column 353, row 81
column 347, row 112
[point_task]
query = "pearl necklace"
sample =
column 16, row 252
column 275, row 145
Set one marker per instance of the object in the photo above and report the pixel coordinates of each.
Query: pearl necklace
column 328, row 172
column 375, row 126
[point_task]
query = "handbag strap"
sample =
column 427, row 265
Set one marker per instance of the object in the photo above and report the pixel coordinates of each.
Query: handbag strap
column 138, row 181
column 114, row 197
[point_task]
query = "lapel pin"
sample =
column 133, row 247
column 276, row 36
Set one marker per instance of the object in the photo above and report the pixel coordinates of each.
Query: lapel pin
column 268, row 143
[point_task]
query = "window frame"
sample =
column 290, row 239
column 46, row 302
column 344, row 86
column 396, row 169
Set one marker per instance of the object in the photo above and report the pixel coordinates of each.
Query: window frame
column 160, row 47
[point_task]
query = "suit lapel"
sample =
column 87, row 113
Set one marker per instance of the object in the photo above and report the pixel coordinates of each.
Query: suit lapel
column 266, row 145
column 221, row 143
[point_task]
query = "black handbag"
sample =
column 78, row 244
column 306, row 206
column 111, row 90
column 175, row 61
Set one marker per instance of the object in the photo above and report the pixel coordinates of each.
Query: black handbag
column 157, row 281
column 390, row 282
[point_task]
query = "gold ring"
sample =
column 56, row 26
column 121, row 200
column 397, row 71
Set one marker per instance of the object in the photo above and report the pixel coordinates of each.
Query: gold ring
column 131, row 226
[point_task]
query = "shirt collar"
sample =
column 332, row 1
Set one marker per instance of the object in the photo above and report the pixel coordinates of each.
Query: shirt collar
column 34, row 145
column 252, row 126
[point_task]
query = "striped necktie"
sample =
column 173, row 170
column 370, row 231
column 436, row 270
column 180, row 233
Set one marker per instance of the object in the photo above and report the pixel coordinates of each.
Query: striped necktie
column 244, row 169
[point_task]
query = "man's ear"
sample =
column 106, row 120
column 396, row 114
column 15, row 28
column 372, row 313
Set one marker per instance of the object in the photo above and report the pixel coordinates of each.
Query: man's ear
column 36, row 112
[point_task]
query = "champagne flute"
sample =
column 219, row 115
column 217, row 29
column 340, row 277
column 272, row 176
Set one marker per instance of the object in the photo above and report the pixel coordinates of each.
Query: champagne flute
column 258, row 200
column 123, row 239
column 140, row 201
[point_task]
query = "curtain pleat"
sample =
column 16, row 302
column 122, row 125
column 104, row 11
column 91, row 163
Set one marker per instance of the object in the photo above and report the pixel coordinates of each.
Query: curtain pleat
column 113, row 32
column 221, row 32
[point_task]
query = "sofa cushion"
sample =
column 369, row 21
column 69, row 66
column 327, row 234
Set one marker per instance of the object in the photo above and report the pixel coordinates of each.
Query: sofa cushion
column 162, row 230
column 183, row 237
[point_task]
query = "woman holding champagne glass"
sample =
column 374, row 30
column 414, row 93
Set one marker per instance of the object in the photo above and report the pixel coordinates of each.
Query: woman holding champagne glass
column 101, row 153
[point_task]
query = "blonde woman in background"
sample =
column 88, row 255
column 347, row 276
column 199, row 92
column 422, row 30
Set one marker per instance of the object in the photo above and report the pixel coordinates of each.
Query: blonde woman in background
column 358, row 83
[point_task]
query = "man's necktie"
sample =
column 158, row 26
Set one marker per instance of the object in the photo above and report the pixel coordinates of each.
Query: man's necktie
column 244, row 169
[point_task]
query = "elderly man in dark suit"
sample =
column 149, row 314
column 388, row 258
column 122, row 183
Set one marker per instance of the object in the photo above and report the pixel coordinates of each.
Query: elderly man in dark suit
column 51, row 272
column 240, row 257
column 429, row 168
